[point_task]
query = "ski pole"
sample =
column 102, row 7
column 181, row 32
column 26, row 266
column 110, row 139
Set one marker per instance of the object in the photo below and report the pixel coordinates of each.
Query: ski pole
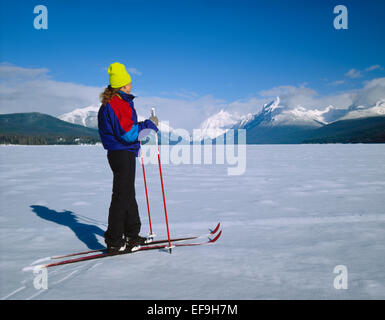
column 152, row 235
column 161, row 181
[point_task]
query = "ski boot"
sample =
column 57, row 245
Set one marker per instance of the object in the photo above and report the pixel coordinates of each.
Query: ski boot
column 132, row 242
column 116, row 248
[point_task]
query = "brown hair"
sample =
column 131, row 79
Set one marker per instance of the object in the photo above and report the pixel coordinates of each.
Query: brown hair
column 108, row 94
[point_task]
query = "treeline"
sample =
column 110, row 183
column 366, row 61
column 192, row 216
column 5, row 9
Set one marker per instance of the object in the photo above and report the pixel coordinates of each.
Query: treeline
column 367, row 130
column 46, row 139
column 361, row 139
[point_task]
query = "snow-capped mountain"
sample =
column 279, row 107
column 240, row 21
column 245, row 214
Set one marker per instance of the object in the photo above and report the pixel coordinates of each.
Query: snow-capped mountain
column 272, row 114
column 216, row 125
column 363, row 112
column 87, row 116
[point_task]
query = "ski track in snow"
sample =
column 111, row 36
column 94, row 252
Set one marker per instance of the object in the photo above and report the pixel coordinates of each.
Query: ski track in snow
column 296, row 213
column 55, row 278
column 13, row 293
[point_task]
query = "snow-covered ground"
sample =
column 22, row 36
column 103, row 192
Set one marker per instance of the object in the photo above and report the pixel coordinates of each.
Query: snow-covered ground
column 296, row 213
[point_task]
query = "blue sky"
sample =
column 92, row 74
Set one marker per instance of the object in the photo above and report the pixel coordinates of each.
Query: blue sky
column 230, row 50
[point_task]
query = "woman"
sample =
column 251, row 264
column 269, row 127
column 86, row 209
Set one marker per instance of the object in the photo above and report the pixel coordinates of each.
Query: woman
column 119, row 129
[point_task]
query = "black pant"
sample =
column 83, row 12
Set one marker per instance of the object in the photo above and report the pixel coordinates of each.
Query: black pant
column 123, row 216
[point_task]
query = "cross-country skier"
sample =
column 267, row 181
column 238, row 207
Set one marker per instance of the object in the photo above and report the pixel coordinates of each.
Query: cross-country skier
column 119, row 129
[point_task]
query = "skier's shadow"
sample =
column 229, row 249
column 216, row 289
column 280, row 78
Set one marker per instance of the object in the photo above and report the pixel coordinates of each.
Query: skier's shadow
column 85, row 232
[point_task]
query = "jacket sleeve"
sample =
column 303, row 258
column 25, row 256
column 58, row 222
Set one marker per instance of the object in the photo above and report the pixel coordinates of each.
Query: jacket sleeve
column 147, row 124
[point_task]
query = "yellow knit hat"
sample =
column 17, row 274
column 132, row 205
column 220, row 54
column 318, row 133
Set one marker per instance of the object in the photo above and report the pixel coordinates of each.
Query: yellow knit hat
column 119, row 77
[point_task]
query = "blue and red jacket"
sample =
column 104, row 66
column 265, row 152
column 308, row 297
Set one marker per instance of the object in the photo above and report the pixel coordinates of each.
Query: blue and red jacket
column 118, row 124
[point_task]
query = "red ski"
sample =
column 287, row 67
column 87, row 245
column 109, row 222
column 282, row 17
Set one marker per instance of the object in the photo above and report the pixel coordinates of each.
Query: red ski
column 212, row 232
column 142, row 248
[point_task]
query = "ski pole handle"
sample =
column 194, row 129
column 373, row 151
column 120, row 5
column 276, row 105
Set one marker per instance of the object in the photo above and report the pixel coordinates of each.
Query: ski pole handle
column 156, row 134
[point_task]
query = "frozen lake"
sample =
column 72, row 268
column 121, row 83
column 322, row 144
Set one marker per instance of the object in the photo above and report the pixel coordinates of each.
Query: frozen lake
column 296, row 213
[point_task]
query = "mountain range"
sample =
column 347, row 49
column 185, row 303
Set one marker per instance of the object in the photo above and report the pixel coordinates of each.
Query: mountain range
column 278, row 124
column 274, row 124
